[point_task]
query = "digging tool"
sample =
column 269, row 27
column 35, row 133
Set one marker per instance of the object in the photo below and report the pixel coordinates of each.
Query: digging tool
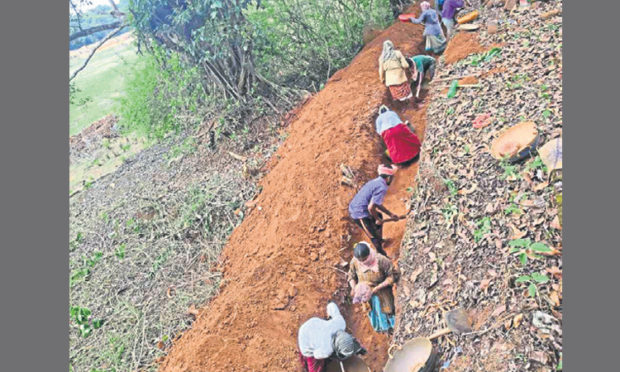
column 352, row 364
column 398, row 218
column 458, row 321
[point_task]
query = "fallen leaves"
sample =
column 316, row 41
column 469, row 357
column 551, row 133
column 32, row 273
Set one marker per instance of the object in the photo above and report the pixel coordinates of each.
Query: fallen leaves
column 482, row 121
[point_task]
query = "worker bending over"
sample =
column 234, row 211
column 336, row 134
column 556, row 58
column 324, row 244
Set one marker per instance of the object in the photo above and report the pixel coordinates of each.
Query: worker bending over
column 320, row 340
column 365, row 206
column 402, row 144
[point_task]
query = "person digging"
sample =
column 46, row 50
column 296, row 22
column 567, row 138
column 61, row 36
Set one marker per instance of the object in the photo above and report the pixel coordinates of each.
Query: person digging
column 320, row 340
column 422, row 66
column 366, row 205
column 403, row 146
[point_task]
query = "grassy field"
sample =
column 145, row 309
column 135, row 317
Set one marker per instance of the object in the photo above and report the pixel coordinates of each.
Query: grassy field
column 102, row 80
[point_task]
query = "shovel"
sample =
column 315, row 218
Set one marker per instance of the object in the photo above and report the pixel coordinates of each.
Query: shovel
column 458, row 322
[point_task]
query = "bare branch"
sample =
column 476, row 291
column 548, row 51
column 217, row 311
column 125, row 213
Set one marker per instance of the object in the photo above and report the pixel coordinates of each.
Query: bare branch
column 92, row 52
column 77, row 14
column 94, row 29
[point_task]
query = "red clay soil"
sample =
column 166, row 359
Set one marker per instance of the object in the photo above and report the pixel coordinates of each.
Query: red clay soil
column 462, row 45
column 468, row 80
column 282, row 264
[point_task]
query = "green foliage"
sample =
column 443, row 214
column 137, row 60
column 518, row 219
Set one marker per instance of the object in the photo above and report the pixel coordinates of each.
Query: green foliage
column 302, row 43
column 483, row 227
column 449, row 211
column 156, row 94
column 120, row 251
column 533, row 280
column 524, row 248
column 81, row 317
column 537, row 163
column 513, row 208
column 510, row 170
column 476, row 59
column 452, row 188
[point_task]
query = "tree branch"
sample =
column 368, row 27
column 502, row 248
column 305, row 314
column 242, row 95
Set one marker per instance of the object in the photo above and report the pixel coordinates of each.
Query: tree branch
column 92, row 52
column 94, row 29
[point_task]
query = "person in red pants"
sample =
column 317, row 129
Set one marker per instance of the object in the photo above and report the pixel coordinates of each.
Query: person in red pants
column 402, row 144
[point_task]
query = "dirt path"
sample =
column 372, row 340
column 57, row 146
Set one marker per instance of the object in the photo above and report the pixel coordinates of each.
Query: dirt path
column 281, row 265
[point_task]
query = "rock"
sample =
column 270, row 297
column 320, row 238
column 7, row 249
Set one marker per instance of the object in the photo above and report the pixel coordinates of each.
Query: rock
column 543, row 321
column 550, row 14
column 510, row 4
column 539, row 356
column 492, row 28
column 314, row 256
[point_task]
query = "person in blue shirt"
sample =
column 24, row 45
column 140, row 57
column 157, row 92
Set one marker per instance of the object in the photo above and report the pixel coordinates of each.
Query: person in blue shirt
column 435, row 40
column 366, row 205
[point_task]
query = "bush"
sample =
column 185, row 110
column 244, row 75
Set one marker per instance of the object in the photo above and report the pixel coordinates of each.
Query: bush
column 158, row 92
column 303, row 43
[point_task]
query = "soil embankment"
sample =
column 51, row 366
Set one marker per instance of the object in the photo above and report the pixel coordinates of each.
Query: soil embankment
column 283, row 263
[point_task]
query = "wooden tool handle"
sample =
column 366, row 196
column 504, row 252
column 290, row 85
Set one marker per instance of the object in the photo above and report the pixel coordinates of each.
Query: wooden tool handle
column 439, row 333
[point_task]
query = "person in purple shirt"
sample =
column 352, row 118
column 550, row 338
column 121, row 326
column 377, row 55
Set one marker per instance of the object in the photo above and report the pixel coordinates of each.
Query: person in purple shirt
column 447, row 14
column 365, row 206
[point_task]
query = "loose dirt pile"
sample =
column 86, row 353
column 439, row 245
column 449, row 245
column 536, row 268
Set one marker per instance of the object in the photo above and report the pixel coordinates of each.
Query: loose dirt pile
column 462, row 45
column 284, row 262
column 90, row 138
column 486, row 234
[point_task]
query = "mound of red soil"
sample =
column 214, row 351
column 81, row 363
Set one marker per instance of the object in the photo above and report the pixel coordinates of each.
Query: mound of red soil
column 283, row 263
column 462, row 45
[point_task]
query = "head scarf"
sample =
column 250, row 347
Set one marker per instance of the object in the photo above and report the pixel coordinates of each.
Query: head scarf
column 388, row 52
column 383, row 108
column 345, row 345
column 371, row 262
column 388, row 171
column 424, row 5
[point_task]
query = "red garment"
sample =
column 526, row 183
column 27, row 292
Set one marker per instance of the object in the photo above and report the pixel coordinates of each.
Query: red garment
column 401, row 92
column 402, row 143
column 312, row 365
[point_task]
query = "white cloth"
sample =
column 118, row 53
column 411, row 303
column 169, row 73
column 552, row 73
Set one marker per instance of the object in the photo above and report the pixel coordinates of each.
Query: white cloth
column 387, row 120
column 315, row 335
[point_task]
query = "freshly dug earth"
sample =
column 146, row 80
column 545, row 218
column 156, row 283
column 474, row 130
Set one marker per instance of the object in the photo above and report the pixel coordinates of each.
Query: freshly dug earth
column 462, row 45
column 284, row 262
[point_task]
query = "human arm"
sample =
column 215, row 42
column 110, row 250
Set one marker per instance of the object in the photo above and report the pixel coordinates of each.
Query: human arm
column 419, row 19
column 374, row 209
column 388, row 281
column 381, row 72
column 390, row 272
column 352, row 276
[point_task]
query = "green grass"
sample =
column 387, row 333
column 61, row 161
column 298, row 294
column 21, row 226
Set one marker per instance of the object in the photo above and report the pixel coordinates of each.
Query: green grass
column 102, row 81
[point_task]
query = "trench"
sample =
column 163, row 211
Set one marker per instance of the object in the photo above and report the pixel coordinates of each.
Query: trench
column 396, row 200
column 280, row 266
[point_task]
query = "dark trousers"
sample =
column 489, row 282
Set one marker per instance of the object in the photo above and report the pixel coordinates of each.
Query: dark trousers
column 373, row 231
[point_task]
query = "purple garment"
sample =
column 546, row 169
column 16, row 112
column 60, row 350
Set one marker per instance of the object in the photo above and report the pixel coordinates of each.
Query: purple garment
column 373, row 191
column 430, row 18
column 450, row 7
